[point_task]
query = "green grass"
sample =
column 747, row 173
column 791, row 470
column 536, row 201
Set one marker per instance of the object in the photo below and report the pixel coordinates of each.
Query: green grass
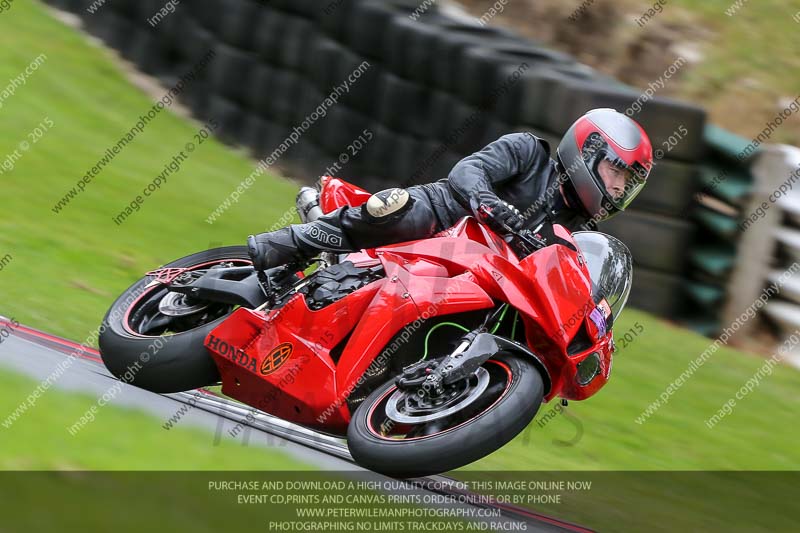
column 118, row 439
column 68, row 267
column 750, row 63
column 661, row 501
column 607, row 437
column 125, row 472
column 743, row 67
column 760, row 434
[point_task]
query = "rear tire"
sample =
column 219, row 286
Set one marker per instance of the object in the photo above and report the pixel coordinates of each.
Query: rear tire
column 163, row 363
column 451, row 448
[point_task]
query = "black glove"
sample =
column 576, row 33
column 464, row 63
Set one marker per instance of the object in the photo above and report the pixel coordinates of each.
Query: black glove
column 499, row 215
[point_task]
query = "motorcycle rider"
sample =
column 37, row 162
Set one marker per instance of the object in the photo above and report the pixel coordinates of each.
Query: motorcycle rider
column 601, row 164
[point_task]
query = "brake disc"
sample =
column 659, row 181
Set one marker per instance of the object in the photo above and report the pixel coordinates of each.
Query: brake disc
column 177, row 304
column 399, row 399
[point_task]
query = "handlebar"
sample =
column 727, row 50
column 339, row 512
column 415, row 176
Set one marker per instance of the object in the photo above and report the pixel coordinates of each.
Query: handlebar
column 524, row 242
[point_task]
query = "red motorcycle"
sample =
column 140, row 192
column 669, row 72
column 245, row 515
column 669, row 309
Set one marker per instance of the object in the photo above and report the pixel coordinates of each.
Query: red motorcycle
column 427, row 355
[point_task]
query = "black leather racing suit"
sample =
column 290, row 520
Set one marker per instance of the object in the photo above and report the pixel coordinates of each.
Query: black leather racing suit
column 517, row 167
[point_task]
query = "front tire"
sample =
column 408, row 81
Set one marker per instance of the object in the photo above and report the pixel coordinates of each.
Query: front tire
column 163, row 360
column 447, row 448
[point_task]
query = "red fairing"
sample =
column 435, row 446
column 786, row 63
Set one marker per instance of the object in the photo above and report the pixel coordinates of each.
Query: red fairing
column 303, row 365
column 336, row 193
column 563, row 292
column 411, row 294
column 301, row 385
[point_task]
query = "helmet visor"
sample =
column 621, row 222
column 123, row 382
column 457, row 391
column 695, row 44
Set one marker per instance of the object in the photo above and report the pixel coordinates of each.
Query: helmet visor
column 619, row 181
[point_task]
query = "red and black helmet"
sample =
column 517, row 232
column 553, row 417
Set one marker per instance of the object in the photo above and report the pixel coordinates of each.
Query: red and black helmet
column 604, row 134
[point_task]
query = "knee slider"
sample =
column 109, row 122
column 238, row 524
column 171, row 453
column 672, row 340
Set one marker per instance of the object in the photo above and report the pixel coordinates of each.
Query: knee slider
column 388, row 205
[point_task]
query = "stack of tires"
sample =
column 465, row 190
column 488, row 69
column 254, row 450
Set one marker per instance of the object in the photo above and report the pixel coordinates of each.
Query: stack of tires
column 726, row 184
column 422, row 91
column 123, row 25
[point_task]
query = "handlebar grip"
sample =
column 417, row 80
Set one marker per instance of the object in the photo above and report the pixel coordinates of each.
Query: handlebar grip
column 485, row 211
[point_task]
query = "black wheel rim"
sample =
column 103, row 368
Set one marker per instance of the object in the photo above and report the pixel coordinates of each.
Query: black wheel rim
column 381, row 426
column 143, row 318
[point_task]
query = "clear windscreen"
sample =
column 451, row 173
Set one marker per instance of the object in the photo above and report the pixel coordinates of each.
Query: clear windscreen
column 610, row 267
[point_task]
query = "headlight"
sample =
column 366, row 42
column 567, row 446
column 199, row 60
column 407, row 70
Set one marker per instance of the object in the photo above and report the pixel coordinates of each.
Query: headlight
column 588, row 369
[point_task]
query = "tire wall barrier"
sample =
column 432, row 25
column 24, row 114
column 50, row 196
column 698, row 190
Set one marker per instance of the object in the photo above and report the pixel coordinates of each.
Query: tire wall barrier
column 380, row 94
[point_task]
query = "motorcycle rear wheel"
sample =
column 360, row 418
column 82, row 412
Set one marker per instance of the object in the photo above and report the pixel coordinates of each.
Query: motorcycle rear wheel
column 141, row 346
column 505, row 408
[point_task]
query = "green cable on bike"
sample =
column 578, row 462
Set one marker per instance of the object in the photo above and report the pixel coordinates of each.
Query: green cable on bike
column 459, row 326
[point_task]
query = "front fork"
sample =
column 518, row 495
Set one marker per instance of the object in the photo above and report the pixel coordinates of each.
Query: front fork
column 473, row 350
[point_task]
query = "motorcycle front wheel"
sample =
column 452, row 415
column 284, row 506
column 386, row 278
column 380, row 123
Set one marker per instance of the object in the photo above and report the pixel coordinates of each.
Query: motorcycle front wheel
column 506, row 404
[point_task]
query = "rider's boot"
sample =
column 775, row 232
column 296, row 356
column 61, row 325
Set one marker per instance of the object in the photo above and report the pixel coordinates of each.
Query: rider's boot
column 298, row 242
